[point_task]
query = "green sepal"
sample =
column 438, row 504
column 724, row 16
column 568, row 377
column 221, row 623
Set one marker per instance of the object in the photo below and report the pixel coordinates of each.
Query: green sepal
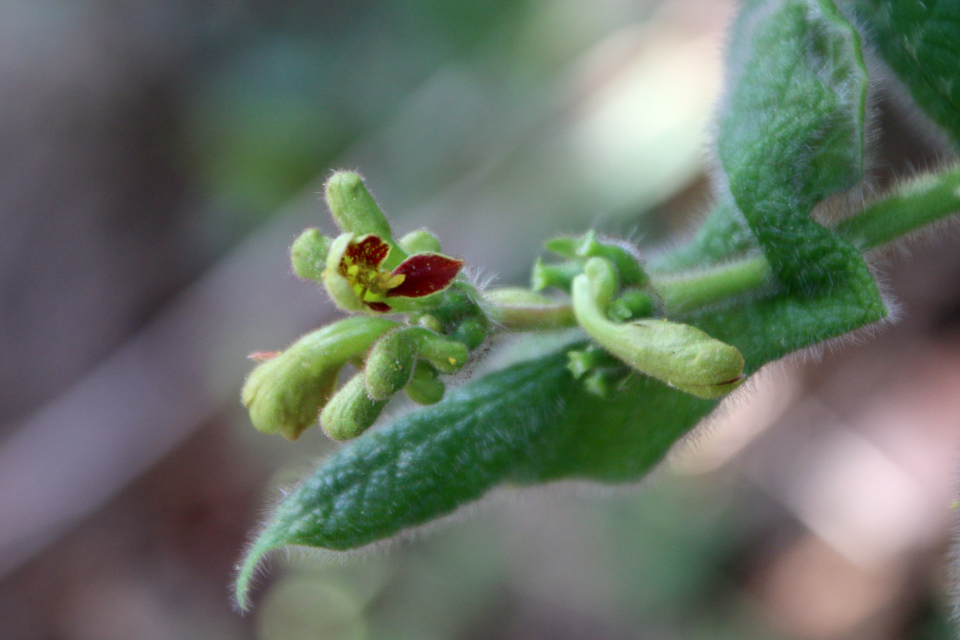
column 339, row 289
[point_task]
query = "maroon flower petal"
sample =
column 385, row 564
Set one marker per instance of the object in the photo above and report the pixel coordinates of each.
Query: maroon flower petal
column 425, row 273
column 369, row 252
column 382, row 307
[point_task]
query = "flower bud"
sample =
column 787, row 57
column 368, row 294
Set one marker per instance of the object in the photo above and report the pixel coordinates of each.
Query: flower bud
column 355, row 211
column 632, row 303
column 390, row 363
column 558, row 275
column 581, row 362
column 308, row 254
column 627, row 264
column 425, row 387
column 392, row 359
column 285, row 393
column 678, row 354
column 351, row 411
column 420, row 241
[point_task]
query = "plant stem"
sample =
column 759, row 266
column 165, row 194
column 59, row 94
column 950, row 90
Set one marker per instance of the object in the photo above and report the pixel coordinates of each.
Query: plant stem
column 690, row 291
column 924, row 200
column 914, row 205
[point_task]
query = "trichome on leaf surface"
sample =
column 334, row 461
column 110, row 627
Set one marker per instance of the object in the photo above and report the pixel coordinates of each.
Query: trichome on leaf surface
column 644, row 350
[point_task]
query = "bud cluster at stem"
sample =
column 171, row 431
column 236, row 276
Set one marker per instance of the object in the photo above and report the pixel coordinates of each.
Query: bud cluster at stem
column 366, row 271
column 437, row 317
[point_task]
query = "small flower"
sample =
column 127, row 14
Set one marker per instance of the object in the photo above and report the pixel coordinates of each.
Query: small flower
column 356, row 279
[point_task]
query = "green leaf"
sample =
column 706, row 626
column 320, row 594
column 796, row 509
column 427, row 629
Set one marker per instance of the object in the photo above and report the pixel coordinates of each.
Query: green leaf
column 791, row 135
column 918, row 39
column 532, row 422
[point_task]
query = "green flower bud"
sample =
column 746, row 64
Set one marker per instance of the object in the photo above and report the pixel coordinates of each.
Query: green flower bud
column 471, row 332
column 559, row 275
column 285, row 393
column 355, row 211
column 392, row 359
column 428, row 321
column 599, row 383
column 308, row 254
column 582, row 362
column 390, row 363
column 351, row 411
column 420, row 241
column 563, row 246
column 627, row 264
column 678, row 354
column 425, row 387
column 632, row 303
column 461, row 315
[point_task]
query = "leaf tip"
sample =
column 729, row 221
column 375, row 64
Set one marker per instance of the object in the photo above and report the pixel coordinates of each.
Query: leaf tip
column 251, row 567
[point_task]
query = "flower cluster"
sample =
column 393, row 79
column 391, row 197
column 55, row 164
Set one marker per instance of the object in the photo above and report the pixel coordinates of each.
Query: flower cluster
column 416, row 317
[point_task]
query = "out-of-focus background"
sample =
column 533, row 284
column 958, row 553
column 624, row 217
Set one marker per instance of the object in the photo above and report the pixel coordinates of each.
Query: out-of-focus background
column 158, row 156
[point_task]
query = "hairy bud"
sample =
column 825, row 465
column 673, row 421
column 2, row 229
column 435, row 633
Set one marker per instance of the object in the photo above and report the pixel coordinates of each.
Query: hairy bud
column 678, row 354
column 351, row 411
column 308, row 254
column 285, row 393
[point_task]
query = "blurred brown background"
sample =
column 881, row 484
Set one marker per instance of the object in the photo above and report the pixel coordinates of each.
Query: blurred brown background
column 158, row 156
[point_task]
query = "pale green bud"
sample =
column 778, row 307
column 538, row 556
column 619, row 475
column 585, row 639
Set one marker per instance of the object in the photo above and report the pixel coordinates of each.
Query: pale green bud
column 632, row 303
column 425, row 387
column 599, row 383
column 285, row 393
column 420, row 241
column 678, row 354
column 559, row 275
column 579, row 363
column 563, row 246
column 471, row 332
column 392, row 359
column 353, row 208
column 430, row 322
column 626, row 263
column 390, row 363
column 351, row 411
column 308, row 254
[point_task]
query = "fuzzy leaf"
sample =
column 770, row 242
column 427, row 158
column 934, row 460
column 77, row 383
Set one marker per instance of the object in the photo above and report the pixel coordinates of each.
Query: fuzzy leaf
column 792, row 135
column 918, row 39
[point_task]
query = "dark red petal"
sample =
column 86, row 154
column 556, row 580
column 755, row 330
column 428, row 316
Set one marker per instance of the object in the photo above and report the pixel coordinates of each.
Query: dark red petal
column 369, row 252
column 382, row 307
column 425, row 273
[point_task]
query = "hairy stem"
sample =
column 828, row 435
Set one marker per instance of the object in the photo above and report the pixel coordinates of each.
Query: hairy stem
column 920, row 202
